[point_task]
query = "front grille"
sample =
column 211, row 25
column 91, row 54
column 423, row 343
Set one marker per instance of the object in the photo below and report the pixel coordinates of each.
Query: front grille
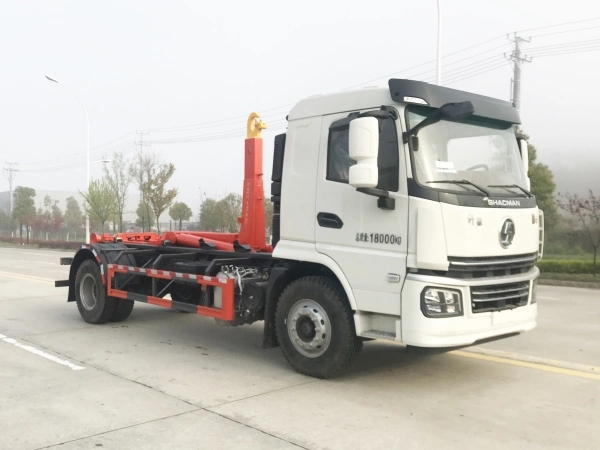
column 499, row 297
column 496, row 266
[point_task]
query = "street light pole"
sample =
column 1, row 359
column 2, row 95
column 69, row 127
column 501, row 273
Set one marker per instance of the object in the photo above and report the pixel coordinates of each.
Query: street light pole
column 87, row 217
column 439, row 45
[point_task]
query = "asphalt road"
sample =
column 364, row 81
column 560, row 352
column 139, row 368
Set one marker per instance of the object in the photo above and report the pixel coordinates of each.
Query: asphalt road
column 164, row 380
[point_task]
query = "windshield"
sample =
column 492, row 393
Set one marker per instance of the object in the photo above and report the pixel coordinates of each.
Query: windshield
column 481, row 151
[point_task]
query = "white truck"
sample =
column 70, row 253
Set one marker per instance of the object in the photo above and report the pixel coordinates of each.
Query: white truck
column 401, row 213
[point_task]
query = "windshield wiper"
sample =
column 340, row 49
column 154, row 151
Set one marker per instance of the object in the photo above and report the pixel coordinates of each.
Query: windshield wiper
column 505, row 186
column 461, row 182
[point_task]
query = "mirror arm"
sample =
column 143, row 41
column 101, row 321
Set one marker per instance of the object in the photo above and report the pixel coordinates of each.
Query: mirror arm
column 383, row 198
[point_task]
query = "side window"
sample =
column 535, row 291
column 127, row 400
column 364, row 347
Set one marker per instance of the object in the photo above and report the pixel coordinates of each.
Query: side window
column 339, row 161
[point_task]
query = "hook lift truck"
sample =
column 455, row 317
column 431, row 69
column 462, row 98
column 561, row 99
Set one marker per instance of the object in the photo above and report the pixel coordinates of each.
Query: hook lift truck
column 400, row 213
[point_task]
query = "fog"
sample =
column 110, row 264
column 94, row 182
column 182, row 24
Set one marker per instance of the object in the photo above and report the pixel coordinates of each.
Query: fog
column 150, row 65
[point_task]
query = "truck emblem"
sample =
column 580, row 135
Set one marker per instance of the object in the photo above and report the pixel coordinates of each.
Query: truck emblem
column 507, row 233
column 497, row 202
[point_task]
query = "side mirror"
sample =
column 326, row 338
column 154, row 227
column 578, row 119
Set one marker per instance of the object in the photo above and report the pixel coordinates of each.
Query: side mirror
column 524, row 158
column 363, row 147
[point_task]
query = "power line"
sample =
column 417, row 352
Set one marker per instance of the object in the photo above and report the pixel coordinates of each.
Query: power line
column 565, row 44
column 592, row 49
column 461, row 60
column 565, row 31
column 459, row 73
column 476, row 73
column 559, row 25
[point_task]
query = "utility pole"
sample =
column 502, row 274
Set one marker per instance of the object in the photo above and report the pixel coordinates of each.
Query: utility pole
column 439, row 45
column 9, row 171
column 518, row 59
column 141, row 142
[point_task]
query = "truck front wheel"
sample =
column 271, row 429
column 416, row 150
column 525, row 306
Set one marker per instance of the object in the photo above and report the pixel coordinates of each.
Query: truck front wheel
column 90, row 294
column 315, row 328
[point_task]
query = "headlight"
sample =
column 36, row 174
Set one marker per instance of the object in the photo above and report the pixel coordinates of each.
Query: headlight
column 439, row 302
column 534, row 292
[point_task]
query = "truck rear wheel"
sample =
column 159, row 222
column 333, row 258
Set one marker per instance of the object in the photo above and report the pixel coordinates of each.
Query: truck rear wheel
column 122, row 310
column 90, row 294
column 315, row 328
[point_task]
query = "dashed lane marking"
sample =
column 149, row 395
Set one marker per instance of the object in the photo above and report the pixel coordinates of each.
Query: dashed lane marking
column 38, row 352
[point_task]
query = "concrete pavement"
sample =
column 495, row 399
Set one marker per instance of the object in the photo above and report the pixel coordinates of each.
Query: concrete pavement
column 168, row 380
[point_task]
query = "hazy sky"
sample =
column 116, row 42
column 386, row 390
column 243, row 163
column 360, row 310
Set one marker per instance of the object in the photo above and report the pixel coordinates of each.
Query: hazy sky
column 150, row 65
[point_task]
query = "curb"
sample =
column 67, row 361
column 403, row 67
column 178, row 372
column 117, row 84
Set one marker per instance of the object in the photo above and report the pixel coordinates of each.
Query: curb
column 567, row 283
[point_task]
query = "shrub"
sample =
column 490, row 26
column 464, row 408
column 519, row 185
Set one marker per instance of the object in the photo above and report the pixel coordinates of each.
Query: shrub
column 65, row 245
column 565, row 266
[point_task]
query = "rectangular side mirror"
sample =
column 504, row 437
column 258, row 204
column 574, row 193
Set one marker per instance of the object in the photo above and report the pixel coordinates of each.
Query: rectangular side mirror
column 363, row 147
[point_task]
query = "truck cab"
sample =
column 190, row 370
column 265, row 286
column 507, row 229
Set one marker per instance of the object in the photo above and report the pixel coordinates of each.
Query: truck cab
column 437, row 248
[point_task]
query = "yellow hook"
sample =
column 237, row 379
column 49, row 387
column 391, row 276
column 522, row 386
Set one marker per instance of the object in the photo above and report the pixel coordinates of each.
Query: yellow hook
column 255, row 125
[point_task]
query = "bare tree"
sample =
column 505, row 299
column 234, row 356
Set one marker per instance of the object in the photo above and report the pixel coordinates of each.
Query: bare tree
column 586, row 211
column 154, row 190
column 140, row 169
column 119, row 178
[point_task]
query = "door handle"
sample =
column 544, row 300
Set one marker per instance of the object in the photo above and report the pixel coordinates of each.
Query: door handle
column 328, row 220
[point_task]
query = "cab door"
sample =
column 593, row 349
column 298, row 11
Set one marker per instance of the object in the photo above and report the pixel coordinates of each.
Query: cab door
column 368, row 243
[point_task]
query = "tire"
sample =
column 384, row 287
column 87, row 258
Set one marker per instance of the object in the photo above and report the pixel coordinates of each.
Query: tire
column 122, row 310
column 315, row 328
column 90, row 294
column 187, row 294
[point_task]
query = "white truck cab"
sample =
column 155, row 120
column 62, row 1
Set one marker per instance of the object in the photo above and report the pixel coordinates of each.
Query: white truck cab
column 416, row 198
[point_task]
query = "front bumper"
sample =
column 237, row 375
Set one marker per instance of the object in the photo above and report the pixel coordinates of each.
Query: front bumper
column 420, row 331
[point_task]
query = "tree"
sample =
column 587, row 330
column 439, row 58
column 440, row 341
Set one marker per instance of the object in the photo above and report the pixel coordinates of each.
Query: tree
column 586, row 211
column 543, row 187
column 209, row 220
column 7, row 224
column 229, row 209
column 119, row 178
column 221, row 215
column 24, row 208
column 154, row 190
column 145, row 217
column 49, row 218
column 180, row 212
column 57, row 219
column 73, row 215
column 269, row 215
column 100, row 202
column 142, row 166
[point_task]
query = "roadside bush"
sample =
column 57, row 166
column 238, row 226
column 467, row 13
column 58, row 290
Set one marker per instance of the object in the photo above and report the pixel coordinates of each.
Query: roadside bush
column 560, row 248
column 65, row 245
column 565, row 266
column 60, row 245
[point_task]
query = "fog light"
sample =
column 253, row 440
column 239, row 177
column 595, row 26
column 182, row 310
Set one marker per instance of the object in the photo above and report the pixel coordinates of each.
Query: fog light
column 534, row 292
column 439, row 302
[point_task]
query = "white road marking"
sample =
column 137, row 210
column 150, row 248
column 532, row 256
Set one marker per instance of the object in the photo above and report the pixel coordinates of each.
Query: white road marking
column 547, row 298
column 41, row 353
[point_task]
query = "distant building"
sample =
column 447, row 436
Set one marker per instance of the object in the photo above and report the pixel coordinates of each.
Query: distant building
column 4, row 201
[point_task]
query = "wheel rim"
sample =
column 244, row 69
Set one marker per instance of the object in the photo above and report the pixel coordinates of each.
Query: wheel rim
column 309, row 328
column 88, row 291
